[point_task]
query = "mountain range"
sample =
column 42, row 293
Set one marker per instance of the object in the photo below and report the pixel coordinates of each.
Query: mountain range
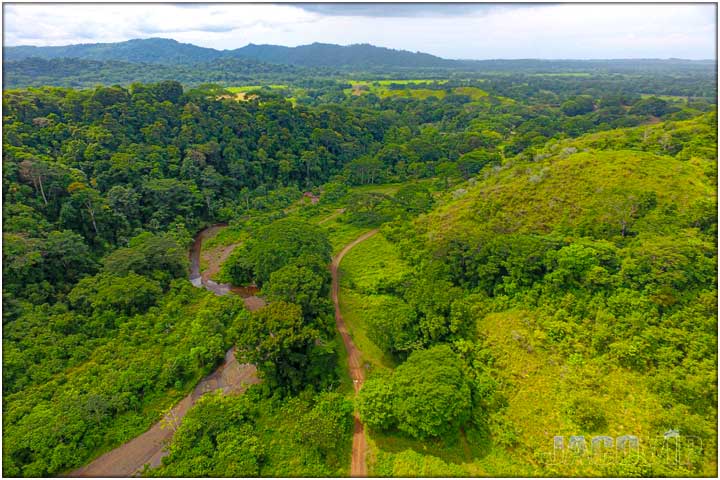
column 172, row 52
column 154, row 59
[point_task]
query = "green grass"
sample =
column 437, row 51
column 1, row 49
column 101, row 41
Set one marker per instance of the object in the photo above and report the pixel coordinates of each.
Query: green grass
column 225, row 237
column 341, row 233
column 365, row 267
column 473, row 92
column 373, row 261
column 382, row 89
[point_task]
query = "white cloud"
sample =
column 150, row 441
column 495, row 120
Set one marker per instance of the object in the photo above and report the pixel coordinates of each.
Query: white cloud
column 517, row 31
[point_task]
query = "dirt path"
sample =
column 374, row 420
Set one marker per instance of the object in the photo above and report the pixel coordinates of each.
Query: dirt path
column 231, row 377
column 332, row 216
column 358, row 467
column 215, row 258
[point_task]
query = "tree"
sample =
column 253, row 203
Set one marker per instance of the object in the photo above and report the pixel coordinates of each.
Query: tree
column 375, row 402
column 301, row 285
column 365, row 170
column 371, row 209
column 427, row 396
column 89, row 200
column 577, row 106
column 415, row 198
column 126, row 295
column 280, row 344
column 283, row 242
column 471, row 163
column 393, row 326
column 330, row 419
column 147, row 254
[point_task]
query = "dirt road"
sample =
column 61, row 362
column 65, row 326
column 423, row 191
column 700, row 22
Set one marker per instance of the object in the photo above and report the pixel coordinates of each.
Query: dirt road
column 358, row 467
column 231, row 377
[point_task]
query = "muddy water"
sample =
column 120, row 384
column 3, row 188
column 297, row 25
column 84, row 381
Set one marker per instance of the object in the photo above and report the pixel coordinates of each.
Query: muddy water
column 231, row 377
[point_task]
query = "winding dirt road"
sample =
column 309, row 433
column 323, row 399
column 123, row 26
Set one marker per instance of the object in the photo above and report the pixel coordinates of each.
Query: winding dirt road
column 231, row 377
column 358, row 467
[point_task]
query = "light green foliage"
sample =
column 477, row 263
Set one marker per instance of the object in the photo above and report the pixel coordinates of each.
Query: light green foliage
column 607, row 285
column 428, row 395
column 410, row 463
column 573, row 272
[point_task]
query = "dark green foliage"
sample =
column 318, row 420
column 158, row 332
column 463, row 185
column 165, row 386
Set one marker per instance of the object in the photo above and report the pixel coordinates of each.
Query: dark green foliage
column 127, row 295
column 250, row 436
column 415, row 198
column 394, row 328
column 282, row 243
column 651, row 106
column 303, row 285
column 148, row 254
column 287, row 351
column 607, row 240
column 577, row 106
column 93, row 381
column 371, row 209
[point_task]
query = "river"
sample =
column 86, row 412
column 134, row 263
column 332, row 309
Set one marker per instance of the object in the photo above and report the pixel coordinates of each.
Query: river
column 231, row 377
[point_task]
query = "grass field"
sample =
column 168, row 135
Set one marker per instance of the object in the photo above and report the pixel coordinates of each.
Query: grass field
column 242, row 91
column 382, row 89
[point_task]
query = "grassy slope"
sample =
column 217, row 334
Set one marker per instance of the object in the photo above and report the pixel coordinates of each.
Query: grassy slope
column 564, row 192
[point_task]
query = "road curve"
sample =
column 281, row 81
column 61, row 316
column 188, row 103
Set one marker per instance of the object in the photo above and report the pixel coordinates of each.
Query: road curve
column 231, row 377
column 358, row 466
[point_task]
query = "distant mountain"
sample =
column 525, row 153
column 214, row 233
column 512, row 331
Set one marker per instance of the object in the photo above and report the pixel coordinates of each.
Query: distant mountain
column 165, row 51
column 147, row 60
column 329, row 55
column 151, row 50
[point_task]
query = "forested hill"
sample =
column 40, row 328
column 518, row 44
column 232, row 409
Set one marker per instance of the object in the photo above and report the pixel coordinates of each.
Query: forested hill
column 328, row 55
column 151, row 50
column 171, row 52
column 166, row 51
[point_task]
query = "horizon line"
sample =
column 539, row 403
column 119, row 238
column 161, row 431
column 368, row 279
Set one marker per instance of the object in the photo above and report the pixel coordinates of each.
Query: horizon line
column 359, row 44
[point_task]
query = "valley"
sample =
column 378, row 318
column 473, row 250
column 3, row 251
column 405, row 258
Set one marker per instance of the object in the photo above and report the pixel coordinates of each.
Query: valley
column 333, row 261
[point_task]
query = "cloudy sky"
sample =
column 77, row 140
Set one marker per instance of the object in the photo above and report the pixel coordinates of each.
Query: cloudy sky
column 477, row 31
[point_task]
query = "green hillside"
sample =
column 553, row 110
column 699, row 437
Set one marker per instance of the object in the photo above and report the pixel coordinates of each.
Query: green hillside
column 588, row 277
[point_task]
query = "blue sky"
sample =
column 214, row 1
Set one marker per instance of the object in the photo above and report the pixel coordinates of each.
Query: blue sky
column 477, row 31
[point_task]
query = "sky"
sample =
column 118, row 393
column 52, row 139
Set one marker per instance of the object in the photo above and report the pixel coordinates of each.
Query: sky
column 470, row 31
